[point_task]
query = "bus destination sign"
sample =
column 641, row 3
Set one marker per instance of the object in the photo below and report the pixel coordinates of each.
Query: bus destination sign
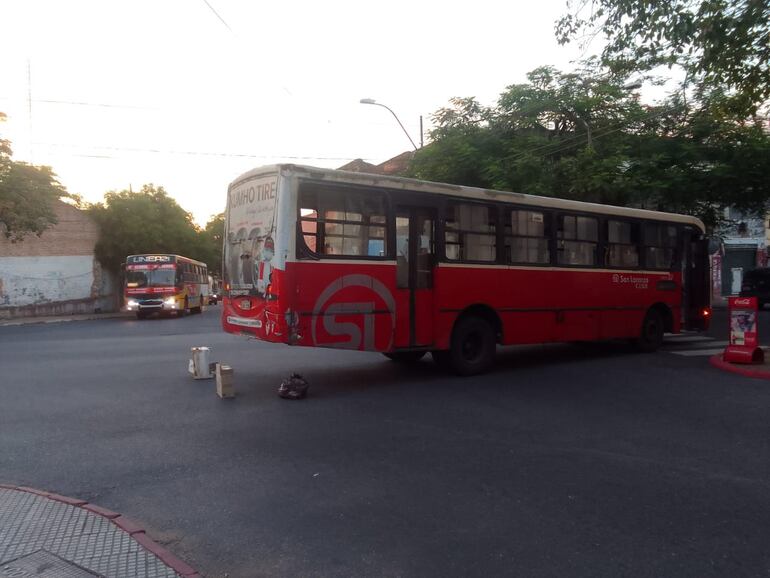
column 156, row 259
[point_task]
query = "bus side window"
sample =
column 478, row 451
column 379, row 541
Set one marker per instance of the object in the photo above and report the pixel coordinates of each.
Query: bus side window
column 527, row 235
column 469, row 233
column 345, row 223
column 577, row 240
column 622, row 244
column 308, row 217
column 660, row 246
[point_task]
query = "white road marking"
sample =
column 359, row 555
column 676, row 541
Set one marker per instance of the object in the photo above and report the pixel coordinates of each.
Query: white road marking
column 698, row 352
column 687, row 338
column 675, row 346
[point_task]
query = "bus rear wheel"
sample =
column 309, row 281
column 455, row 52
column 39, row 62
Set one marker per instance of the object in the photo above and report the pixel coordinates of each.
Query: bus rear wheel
column 651, row 335
column 472, row 347
column 405, row 356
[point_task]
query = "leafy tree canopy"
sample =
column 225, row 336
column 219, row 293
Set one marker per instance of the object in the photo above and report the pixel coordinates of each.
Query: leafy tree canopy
column 27, row 194
column 147, row 221
column 584, row 135
column 720, row 43
column 210, row 240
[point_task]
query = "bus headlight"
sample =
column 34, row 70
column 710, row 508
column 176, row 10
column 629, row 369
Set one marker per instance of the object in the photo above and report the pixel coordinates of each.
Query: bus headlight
column 131, row 304
column 170, row 302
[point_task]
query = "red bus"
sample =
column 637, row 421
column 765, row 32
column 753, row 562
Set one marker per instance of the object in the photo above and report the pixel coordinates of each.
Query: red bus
column 327, row 258
column 165, row 284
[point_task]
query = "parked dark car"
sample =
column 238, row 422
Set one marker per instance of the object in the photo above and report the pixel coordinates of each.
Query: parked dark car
column 756, row 283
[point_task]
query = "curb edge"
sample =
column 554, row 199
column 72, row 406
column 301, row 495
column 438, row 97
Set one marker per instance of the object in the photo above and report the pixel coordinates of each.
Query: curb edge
column 719, row 363
column 126, row 525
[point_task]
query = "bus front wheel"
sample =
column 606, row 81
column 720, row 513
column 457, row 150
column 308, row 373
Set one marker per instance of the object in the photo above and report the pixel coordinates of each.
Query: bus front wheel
column 405, row 356
column 472, row 347
column 651, row 335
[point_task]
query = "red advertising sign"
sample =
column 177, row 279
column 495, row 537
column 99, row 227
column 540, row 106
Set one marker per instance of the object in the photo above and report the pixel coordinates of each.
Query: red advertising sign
column 744, row 333
column 743, row 321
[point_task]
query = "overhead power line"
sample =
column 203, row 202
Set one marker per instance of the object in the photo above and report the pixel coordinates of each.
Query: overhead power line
column 222, row 20
column 83, row 103
column 188, row 153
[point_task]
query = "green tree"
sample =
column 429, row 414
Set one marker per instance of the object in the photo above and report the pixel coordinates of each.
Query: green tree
column 27, row 194
column 210, row 239
column 584, row 135
column 147, row 221
column 719, row 43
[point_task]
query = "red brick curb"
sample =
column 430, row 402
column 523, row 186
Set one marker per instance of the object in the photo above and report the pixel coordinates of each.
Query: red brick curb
column 745, row 370
column 133, row 529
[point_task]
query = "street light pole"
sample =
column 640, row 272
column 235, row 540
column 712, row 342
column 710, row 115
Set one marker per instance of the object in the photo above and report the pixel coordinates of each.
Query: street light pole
column 372, row 101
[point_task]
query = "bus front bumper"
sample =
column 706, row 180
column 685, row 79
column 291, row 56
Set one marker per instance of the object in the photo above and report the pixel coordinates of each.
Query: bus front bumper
column 148, row 305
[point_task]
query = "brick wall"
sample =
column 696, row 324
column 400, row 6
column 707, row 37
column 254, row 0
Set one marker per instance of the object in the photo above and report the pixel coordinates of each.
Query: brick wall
column 55, row 273
column 75, row 234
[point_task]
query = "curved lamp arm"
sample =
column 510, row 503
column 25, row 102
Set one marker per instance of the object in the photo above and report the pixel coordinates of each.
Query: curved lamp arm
column 372, row 101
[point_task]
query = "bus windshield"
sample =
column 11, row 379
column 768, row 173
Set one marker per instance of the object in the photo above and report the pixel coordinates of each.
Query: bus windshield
column 150, row 278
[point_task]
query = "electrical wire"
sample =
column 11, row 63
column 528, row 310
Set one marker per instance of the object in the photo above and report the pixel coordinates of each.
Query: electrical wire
column 191, row 153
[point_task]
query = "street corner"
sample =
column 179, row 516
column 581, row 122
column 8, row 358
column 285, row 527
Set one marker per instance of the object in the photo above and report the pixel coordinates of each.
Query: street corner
column 755, row 370
column 49, row 535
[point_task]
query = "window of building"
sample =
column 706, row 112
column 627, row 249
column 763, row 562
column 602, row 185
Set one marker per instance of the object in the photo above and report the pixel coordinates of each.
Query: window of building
column 344, row 223
column 469, row 233
column 622, row 244
column 527, row 236
column 577, row 240
column 660, row 242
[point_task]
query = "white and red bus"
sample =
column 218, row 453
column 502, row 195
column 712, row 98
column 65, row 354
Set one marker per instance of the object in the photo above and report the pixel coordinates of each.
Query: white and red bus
column 159, row 283
column 327, row 258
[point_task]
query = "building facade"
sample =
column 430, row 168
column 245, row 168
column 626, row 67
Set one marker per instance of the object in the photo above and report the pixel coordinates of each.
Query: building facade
column 742, row 245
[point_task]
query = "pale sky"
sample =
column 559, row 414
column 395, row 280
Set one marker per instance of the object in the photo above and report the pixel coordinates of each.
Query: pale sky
column 162, row 91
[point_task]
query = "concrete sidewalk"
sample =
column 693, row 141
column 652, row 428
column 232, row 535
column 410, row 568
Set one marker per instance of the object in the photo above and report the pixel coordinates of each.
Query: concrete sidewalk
column 14, row 321
column 52, row 536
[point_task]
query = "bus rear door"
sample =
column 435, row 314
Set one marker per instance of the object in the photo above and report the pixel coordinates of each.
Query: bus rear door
column 415, row 254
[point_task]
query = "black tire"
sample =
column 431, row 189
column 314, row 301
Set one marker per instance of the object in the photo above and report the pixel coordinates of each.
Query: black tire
column 142, row 314
column 185, row 310
column 472, row 347
column 405, row 356
column 651, row 334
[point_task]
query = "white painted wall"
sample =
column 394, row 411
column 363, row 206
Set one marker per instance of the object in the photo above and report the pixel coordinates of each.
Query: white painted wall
column 28, row 281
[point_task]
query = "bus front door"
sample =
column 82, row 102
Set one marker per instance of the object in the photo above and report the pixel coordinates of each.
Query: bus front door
column 415, row 254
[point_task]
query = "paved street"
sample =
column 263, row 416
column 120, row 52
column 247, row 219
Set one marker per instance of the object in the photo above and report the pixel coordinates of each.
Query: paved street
column 565, row 461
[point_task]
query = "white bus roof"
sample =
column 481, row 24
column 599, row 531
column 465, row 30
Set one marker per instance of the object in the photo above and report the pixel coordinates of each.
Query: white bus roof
column 403, row 183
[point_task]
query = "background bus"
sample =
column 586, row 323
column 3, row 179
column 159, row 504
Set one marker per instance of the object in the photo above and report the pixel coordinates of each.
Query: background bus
column 165, row 283
column 328, row 258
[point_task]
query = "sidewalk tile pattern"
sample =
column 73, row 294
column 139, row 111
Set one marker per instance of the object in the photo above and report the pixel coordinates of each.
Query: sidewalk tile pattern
column 30, row 522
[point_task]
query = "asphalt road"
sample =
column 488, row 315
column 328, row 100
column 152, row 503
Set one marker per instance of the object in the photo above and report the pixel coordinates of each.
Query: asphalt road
column 565, row 461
